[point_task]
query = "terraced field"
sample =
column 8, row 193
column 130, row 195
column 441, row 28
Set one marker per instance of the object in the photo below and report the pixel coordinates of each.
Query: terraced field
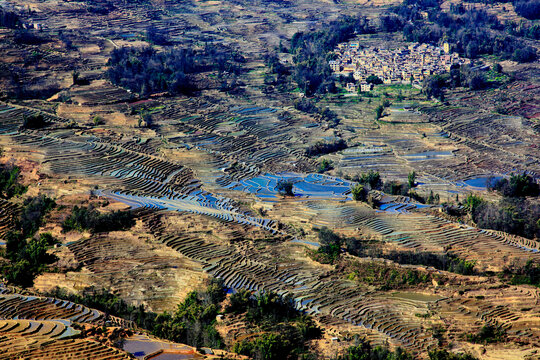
column 42, row 328
column 202, row 176
column 134, row 173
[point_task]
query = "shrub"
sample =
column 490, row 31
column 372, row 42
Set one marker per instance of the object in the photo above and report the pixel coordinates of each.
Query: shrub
column 442, row 354
column 364, row 351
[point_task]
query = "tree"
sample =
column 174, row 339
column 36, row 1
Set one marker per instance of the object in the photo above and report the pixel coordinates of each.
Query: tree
column 371, row 178
column 285, row 187
column 524, row 55
column 412, row 179
column 472, row 202
column 433, row 86
column 379, row 111
column 34, row 121
column 374, row 79
column 324, row 166
column 359, row 192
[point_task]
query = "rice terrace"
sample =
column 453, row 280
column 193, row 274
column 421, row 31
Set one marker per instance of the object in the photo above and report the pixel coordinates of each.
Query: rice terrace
column 270, row 179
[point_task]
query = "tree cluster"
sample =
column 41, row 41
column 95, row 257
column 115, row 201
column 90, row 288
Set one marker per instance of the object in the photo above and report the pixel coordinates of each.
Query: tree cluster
column 27, row 258
column 285, row 187
column 472, row 32
column 146, row 71
column 519, row 185
column 26, row 253
column 33, row 121
column 193, row 321
column 88, row 218
column 528, row 274
column 312, row 72
column 9, row 19
column 529, row 9
column 9, row 182
column 323, row 148
column 283, row 330
column 365, row 351
column 489, row 333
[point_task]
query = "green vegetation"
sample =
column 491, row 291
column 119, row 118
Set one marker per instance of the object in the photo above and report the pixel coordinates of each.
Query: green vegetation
column 359, row 192
column 323, row 148
column 281, row 329
column 471, row 32
column 330, row 249
column 364, row 351
column 285, row 187
column 192, row 323
column 324, row 166
column 374, row 79
column 385, row 276
column 528, row 274
column 9, row 182
column 309, row 49
column 33, row 212
column 442, row 354
column 371, row 178
column 488, row 334
column 517, row 186
column 411, row 179
column 28, row 258
column 445, row 261
column 472, row 202
column 88, row 218
column 513, row 214
column 34, row 121
column 146, row 71
column 28, row 255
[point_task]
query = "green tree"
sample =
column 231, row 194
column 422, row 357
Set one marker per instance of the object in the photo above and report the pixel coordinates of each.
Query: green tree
column 34, row 121
column 359, row 192
column 412, row 179
column 324, row 166
column 285, row 187
column 472, row 202
column 379, row 112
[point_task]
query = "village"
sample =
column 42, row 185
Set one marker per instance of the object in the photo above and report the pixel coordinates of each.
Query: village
column 404, row 65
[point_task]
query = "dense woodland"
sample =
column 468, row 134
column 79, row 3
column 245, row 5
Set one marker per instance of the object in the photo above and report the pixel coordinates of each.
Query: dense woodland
column 471, row 32
column 147, row 71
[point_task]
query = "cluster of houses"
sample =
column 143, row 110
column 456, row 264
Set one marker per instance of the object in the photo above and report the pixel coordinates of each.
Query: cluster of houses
column 406, row 65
